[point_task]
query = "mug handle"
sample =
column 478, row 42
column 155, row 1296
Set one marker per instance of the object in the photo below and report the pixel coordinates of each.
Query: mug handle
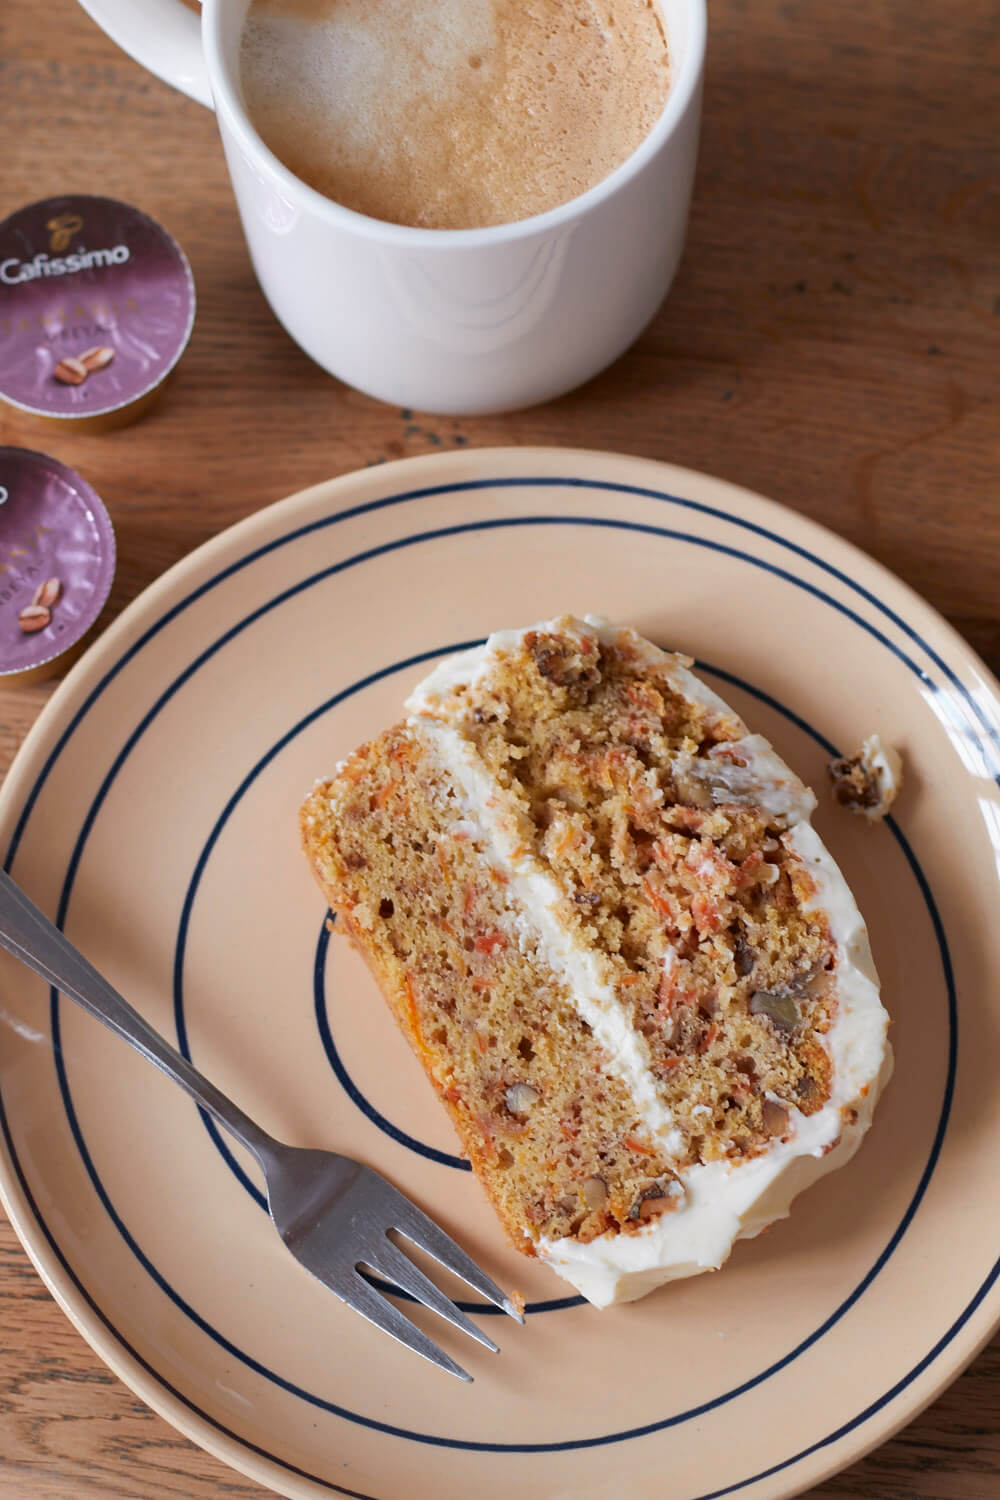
column 163, row 35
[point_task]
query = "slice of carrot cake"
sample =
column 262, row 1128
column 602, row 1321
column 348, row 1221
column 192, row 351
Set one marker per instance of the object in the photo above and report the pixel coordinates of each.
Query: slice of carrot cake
column 630, row 968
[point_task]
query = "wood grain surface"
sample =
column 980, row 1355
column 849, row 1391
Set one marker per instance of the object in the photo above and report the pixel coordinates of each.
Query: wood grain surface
column 832, row 340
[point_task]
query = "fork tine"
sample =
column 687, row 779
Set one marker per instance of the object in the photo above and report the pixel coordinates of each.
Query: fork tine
column 412, row 1222
column 357, row 1293
column 390, row 1261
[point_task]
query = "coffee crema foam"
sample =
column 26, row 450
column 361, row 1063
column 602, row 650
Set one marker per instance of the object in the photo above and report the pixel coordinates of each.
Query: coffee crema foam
column 453, row 114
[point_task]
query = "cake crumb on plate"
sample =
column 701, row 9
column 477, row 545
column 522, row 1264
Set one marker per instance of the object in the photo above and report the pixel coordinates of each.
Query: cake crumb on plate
column 869, row 782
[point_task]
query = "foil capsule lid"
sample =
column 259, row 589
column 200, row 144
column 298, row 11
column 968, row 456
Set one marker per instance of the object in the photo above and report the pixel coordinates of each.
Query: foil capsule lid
column 97, row 305
column 57, row 562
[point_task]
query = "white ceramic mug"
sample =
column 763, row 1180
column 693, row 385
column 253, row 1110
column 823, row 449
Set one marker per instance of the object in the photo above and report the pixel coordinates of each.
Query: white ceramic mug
column 469, row 320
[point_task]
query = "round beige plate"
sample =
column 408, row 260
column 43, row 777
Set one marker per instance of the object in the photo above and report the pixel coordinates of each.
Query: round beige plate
column 152, row 812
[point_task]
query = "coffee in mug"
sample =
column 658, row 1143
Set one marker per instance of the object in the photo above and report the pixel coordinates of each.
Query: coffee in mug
column 453, row 114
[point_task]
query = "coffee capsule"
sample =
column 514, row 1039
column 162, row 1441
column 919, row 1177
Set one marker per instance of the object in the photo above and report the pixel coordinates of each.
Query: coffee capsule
column 57, row 561
column 96, row 308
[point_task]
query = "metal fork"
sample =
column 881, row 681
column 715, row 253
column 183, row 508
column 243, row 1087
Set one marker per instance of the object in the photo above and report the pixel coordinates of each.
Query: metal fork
column 333, row 1213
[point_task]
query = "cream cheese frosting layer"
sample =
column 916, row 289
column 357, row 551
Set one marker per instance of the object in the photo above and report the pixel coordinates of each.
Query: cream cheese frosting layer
column 537, row 898
column 721, row 1202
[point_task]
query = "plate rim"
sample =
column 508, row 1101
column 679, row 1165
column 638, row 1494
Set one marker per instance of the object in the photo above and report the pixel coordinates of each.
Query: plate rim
column 664, row 477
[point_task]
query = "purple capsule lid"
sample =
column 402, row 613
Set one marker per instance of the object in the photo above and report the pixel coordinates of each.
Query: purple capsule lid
column 57, row 560
column 96, row 306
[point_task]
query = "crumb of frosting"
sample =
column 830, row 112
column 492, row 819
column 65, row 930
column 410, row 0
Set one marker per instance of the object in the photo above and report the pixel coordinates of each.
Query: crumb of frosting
column 868, row 782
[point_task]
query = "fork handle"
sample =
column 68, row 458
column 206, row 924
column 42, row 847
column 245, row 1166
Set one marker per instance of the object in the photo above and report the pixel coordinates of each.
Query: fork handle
column 29, row 935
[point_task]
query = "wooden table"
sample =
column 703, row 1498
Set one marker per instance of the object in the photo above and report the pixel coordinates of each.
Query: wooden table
column 832, row 340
